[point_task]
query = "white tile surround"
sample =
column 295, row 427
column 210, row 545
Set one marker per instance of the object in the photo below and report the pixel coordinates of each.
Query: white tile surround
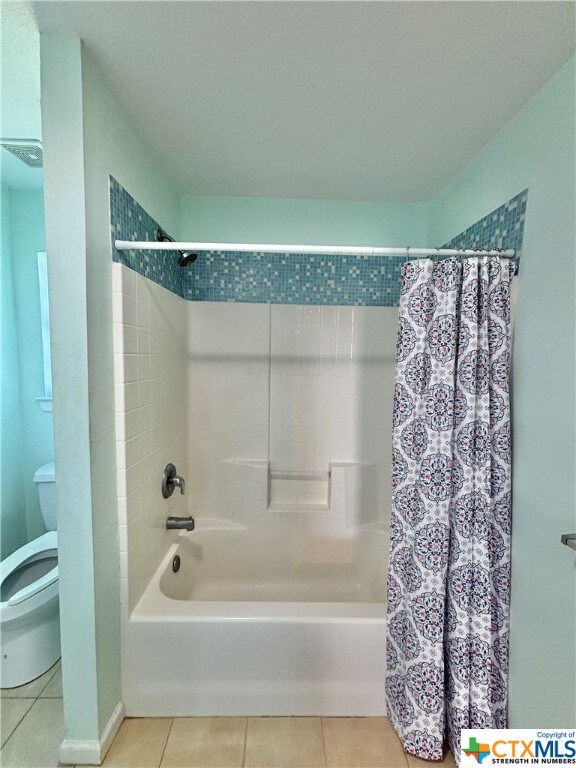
column 305, row 388
column 150, row 395
column 228, row 405
column 228, row 391
column 331, row 384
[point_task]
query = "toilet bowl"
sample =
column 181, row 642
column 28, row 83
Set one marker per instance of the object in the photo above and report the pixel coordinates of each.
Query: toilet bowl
column 29, row 607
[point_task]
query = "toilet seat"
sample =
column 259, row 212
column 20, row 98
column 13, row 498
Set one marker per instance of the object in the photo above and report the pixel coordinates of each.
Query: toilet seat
column 29, row 553
column 29, row 599
column 29, row 611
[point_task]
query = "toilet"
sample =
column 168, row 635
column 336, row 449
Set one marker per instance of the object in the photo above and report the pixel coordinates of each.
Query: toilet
column 29, row 608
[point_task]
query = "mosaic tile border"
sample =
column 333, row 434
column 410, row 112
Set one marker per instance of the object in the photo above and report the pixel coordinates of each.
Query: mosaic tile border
column 291, row 278
column 294, row 279
column 502, row 228
column 129, row 221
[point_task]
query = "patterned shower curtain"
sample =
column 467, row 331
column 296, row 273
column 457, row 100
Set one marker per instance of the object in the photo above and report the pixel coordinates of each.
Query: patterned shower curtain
column 449, row 573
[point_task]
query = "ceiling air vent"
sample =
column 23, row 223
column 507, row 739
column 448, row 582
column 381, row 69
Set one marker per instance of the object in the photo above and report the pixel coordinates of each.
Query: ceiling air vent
column 27, row 150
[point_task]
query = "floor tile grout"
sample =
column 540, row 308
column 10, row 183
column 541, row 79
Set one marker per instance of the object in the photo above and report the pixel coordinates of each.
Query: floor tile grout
column 37, row 696
column 245, row 740
column 35, row 700
column 166, row 742
column 323, row 741
column 19, row 721
column 242, row 764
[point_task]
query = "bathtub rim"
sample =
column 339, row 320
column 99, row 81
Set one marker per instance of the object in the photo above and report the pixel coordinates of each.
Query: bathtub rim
column 154, row 605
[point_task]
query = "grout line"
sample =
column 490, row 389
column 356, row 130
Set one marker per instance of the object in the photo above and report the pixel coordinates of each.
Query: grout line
column 37, row 696
column 166, row 742
column 323, row 741
column 19, row 721
column 245, row 741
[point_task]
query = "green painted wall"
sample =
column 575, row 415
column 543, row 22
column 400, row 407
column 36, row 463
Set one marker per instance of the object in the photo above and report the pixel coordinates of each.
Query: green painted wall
column 310, row 222
column 12, row 499
column 536, row 150
column 62, row 127
column 87, row 136
column 20, row 67
column 28, row 237
column 112, row 146
column 27, row 439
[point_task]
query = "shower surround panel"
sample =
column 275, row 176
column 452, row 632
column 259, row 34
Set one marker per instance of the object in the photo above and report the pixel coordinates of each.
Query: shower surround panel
column 286, row 412
column 252, row 403
column 275, row 599
column 150, row 391
column 228, row 409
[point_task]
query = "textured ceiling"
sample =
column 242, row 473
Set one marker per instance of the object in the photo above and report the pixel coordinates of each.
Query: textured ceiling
column 336, row 100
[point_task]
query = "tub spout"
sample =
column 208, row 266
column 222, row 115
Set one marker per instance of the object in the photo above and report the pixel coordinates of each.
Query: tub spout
column 180, row 523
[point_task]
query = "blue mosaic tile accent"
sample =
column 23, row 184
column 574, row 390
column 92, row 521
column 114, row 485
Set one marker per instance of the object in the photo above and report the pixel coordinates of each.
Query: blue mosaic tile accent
column 294, row 279
column 502, row 228
column 129, row 221
column 339, row 280
column 291, row 278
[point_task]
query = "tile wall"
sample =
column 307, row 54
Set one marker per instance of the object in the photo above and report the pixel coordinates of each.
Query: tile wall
column 225, row 276
column 228, row 408
column 302, row 391
column 229, row 391
column 129, row 221
column 293, row 278
column 331, row 377
column 502, row 228
column 150, row 330
column 275, row 412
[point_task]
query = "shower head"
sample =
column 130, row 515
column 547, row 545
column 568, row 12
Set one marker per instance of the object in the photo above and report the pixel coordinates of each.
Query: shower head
column 185, row 258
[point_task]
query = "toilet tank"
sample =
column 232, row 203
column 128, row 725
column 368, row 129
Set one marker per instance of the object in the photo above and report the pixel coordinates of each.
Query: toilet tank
column 45, row 479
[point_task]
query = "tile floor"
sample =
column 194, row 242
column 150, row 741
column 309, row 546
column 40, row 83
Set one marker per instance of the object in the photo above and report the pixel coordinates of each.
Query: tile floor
column 260, row 742
column 32, row 731
column 31, row 722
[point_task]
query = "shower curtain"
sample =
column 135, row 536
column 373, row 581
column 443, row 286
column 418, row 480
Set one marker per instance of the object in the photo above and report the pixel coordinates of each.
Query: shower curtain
column 449, row 573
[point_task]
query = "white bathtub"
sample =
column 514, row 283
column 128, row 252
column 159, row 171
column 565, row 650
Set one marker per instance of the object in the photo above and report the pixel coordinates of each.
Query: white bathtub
column 261, row 624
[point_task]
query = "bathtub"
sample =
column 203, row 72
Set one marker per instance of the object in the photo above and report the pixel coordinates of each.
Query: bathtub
column 267, row 623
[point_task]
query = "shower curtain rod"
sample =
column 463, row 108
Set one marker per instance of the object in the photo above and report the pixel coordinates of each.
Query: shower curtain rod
column 336, row 250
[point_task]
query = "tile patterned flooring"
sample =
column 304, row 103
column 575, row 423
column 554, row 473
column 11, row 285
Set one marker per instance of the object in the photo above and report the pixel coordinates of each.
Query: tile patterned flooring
column 32, row 731
column 31, row 722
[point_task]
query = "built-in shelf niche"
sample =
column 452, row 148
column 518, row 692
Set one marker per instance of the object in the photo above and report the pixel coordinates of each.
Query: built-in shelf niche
column 345, row 495
column 299, row 491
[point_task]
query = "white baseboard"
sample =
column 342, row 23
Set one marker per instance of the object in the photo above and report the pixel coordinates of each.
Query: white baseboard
column 92, row 752
column 73, row 752
column 111, row 729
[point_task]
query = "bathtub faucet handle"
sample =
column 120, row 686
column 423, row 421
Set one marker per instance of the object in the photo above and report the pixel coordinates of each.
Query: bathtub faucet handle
column 171, row 480
column 179, row 482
